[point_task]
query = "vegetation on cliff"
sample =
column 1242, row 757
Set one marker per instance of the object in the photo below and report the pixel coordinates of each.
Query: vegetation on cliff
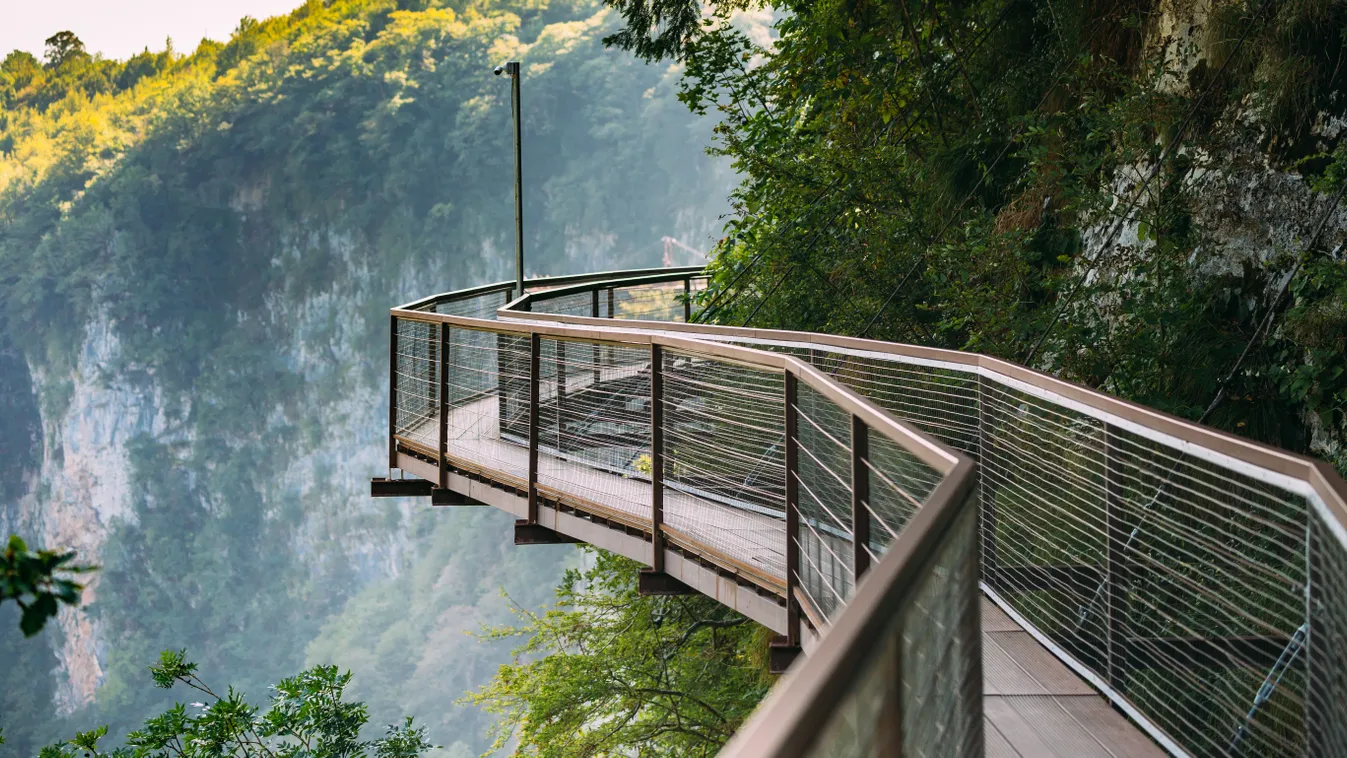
column 243, row 215
column 1139, row 196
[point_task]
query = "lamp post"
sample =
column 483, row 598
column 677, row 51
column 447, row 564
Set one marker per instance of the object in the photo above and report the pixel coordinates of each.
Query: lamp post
column 512, row 68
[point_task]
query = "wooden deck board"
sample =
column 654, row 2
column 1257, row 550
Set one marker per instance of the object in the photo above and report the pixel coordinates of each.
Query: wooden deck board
column 1033, row 705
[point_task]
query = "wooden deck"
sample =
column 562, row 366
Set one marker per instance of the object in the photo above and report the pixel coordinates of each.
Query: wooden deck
column 1033, row 704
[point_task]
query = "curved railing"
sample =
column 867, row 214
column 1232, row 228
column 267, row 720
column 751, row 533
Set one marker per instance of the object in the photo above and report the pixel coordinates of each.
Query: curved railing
column 1196, row 579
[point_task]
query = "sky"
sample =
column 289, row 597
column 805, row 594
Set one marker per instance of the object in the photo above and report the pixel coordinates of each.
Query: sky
column 122, row 28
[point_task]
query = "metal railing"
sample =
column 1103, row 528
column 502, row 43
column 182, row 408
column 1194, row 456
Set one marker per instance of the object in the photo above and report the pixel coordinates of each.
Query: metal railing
column 1198, row 580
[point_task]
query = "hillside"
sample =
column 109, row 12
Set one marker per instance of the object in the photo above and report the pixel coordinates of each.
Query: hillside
column 197, row 252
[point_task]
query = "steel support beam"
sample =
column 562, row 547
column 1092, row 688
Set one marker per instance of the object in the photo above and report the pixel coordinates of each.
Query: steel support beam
column 381, row 487
column 526, row 533
column 652, row 582
column 446, row 496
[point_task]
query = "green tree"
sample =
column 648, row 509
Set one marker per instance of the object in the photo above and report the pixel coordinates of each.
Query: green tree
column 38, row 581
column 1050, row 183
column 308, row 717
column 609, row 672
column 62, row 47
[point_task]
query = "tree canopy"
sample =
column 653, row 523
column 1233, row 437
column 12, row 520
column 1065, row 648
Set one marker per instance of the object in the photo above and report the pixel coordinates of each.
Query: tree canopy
column 606, row 671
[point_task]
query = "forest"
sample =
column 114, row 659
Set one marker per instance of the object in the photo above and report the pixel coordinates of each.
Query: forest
column 1142, row 197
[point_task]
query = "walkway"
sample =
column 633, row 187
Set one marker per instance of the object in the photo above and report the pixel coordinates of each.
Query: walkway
column 1040, row 569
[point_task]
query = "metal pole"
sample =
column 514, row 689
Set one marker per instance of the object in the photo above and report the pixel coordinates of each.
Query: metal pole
column 792, row 516
column 860, row 496
column 535, row 379
column 443, row 408
column 1115, row 566
column 392, row 394
column 657, row 457
column 513, row 68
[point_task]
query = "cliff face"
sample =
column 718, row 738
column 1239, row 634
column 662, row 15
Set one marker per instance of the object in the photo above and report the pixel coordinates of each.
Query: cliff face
column 85, row 484
column 195, row 276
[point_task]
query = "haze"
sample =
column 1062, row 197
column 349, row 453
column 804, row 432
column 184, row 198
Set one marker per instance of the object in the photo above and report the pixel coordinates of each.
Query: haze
column 121, row 29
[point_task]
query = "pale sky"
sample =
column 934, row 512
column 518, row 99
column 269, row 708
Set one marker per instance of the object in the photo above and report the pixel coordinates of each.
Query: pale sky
column 122, row 28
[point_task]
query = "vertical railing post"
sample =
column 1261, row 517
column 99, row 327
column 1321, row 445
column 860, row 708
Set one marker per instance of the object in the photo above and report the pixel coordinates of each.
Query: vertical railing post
column 1115, row 566
column 687, row 300
column 392, row 392
column 594, row 311
column 860, row 495
column 987, row 499
column 561, row 395
column 612, row 304
column 657, row 457
column 792, row 514
column 443, row 406
column 1318, row 710
column 535, row 376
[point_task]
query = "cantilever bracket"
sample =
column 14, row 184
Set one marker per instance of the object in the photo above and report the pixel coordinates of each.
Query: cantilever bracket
column 381, row 487
column 780, row 654
column 652, row 582
column 442, row 496
column 537, row 534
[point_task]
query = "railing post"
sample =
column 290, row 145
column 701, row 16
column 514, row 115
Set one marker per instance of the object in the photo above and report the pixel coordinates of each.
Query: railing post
column 535, row 360
column 792, row 514
column 561, row 395
column 1318, row 708
column 612, row 309
column 687, row 300
column 392, row 392
column 860, row 495
column 987, row 500
column 594, row 310
column 1115, row 567
column 657, row 457
column 444, row 407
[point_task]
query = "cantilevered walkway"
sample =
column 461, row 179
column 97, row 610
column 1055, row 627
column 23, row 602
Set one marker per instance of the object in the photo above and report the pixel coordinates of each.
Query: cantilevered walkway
column 975, row 558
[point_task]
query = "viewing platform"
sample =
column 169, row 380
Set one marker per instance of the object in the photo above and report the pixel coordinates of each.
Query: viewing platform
column 961, row 556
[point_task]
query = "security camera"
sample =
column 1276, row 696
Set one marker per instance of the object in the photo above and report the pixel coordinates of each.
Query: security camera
column 499, row 70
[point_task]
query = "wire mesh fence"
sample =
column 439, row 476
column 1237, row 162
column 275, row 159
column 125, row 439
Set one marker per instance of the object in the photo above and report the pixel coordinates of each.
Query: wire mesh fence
column 594, row 421
column 724, row 458
column 483, row 305
column 1178, row 582
column 656, row 301
column 824, row 476
column 417, row 382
